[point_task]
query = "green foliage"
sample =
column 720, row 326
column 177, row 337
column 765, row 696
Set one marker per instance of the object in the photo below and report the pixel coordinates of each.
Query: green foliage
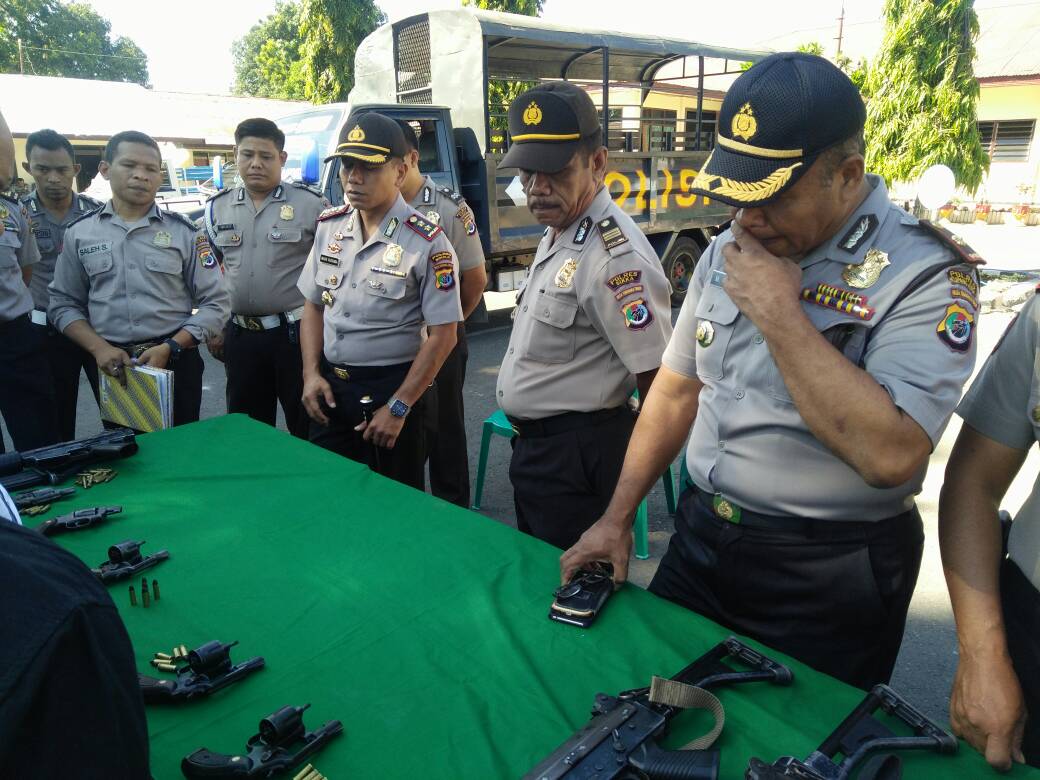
column 923, row 108
column 268, row 60
column 525, row 7
column 332, row 30
column 857, row 73
column 812, row 47
column 66, row 40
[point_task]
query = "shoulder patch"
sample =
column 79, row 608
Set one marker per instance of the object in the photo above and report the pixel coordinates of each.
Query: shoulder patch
column 312, row 190
column 335, row 211
column 11, row 199
column 952, row 241
column 423, row 227
column 451, row 195
column 611, row 233
column 956, row 326
column 465, row 216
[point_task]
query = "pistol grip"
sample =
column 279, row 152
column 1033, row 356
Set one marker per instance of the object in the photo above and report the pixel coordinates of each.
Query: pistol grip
column 658, row 764
column 204, row 763
column 154, row 689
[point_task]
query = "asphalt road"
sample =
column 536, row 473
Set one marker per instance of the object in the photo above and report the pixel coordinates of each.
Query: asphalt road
column 927, row 661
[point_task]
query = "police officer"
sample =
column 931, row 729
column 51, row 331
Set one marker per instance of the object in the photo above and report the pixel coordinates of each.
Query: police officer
column 590, row 324
column 263, row 231
column 995, row 702
column 26, row 398
column 449, row 461
column 52, row 206
column 819, row 353
column 378, row 271
column 130, row 274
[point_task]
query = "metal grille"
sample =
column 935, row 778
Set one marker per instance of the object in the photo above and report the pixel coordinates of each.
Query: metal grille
column 413, row 63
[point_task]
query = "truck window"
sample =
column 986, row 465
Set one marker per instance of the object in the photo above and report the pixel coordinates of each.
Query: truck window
column 302, row 131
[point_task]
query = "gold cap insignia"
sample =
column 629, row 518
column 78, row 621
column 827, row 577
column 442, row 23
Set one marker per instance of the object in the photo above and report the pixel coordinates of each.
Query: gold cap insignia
column 744, row 124
column 357, row 134
column 532, row 114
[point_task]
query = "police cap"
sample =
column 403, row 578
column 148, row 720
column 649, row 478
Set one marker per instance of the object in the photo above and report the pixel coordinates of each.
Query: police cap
column 776, row 120
column 546, row 125
column 370, row 137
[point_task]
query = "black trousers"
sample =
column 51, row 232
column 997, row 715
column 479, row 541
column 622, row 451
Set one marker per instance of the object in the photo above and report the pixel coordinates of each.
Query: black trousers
column 66, row 359
column 187, row 384
column 449, row 460
column 407, row 460
column 1021, row 607
column 264, row 368
column 563, row 482
column 26, row 395
column 834, row 595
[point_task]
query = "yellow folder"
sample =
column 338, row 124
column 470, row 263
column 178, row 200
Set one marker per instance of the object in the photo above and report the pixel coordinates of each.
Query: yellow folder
column 145, row 404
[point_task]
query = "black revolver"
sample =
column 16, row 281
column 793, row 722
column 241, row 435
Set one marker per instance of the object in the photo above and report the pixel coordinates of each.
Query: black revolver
column 209, row 669
column 858, row 737
column 125, row 560
column 75, row 521
column 620, row 741
column 44, row 495
column 269, row 752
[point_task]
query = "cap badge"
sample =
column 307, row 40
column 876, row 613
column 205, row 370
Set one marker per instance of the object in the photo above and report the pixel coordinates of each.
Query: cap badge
column 744, row 124
column 357, row 134
column 532, row 114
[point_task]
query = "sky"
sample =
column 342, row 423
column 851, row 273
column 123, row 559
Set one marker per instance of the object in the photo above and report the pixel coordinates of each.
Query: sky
column 177, row 63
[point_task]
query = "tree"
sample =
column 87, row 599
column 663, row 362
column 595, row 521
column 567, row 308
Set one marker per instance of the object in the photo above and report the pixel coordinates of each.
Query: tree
column 66, row 40
column 924, row 93
column 332, row 30
column 812, row 47
column 268, row 59
column 524, row 7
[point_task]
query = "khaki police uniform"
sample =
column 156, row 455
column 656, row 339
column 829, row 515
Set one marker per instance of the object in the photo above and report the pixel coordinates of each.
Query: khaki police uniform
column 64, row 356
column 26, row 398
column 137, row 284
column 449, row 460
column 594, row 311
column 263, row 251
column 1003, row 404
column 377, row 295
column 896, row 301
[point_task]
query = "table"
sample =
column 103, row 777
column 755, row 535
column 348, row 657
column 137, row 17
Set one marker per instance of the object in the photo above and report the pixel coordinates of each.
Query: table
column 420, row 625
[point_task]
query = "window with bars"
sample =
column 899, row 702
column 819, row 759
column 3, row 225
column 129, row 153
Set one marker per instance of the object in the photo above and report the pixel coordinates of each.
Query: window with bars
column 1007, row 140
column 659, row 129
column 709, row 123
column 413, row 63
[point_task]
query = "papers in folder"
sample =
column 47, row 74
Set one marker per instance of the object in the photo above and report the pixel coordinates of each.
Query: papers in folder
column 145, row 404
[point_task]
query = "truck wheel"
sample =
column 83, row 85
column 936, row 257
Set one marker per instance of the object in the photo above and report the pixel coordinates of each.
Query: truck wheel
column 679, row 265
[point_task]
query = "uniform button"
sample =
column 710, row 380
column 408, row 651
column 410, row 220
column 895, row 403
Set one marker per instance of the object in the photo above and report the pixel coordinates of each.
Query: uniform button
column 758, row 338
column 510, row 350
column 339, row 337
column 739, row 394
column 353, row 284
column 499, row 393
column 346, row 314
column 722, row 444
column 525, row 307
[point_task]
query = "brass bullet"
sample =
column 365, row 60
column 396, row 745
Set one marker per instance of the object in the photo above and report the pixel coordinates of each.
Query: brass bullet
column 184, row 651
column 156, row 662
column 145, row 601
column 155, row 589
column 166, row 667
column 163, row 657
column 133, row 597
column 303, row 772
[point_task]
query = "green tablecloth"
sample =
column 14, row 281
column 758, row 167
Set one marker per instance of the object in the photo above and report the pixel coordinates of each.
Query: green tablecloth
column 419, row 625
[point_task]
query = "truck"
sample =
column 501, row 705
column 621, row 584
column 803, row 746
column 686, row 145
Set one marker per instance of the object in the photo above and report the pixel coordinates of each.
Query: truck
column 452, row 73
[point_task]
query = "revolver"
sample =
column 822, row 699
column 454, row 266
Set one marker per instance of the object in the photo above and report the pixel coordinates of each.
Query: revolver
column 125, row 560
column 74, row 521
column 209, row 669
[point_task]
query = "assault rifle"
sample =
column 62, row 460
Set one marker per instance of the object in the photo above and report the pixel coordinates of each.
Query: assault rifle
column 55, row 463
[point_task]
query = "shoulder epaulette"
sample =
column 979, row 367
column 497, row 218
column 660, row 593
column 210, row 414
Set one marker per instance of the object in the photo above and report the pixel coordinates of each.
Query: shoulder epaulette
column 335, row 211
column 951, row 241
column 92, row 203
column 218, row 193
column 84, row 216
column 423, row 227
column 610, row 233
column 451, row 195
column 182, row 218
column 10, row 198
column 312, row 190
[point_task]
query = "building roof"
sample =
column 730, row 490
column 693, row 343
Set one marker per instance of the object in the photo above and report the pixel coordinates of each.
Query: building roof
column 83, row 108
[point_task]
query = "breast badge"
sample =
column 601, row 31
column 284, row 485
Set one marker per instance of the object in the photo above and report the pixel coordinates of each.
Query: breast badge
column 326, row 298
column 565, row 276
column 434, row 217
column 866, row 273
column 705, row 333
column 392, row 256
column 287, row 212
column 162, row 239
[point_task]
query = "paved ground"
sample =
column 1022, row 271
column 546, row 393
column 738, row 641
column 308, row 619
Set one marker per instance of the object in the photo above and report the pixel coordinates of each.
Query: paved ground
column 928, row 658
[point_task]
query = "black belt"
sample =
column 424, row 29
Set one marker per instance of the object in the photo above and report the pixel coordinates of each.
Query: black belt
column 19, row 320
column 135, row 350
column 562, row 423
column 727, row 511
column 359, row 373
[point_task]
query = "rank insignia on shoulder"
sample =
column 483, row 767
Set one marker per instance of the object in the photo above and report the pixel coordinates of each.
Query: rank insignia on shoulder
column 955, row 327
column 952, row 241
column 451, row 195
column 333, row 212
column 583, row 231
column 637, row 314
column 611, row 233
column 859, row 233
column 423, row 227
column 867, row 273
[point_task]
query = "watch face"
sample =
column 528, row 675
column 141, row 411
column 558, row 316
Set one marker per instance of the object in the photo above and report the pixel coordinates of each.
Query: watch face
column 399, row 408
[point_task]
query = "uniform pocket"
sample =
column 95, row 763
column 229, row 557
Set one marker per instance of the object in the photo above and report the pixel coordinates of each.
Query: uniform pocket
column 10, row 243
column 716, row 320
column 552, row 336
column 99, row 263
column 164, row 264
column 381, row 299
column 285, row 236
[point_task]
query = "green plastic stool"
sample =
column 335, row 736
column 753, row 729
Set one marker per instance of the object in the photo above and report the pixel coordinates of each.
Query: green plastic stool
column 498, row 425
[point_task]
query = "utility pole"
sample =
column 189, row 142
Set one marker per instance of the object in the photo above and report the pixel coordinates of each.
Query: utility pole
column 21, row 58
column 841, row 28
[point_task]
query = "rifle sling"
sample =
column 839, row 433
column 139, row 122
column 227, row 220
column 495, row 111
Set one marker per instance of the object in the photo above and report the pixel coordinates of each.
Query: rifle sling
column 689, row 697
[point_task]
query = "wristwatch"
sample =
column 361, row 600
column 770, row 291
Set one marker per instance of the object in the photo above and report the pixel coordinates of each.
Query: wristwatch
column 175, row 349
column 398, row 408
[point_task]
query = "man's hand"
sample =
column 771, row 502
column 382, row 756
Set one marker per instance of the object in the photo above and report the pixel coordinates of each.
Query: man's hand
column 987, row 710
column 215, row 345
column 606, row 540
column 766, row 288
column 384, row 428
column 156, row 357
column 316, row 389
column 112, row 361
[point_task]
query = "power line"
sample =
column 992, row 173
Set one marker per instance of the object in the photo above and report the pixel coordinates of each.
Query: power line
column 88, row 53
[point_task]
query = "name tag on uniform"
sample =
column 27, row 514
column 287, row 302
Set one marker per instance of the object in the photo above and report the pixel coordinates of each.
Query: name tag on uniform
column 328, row 259
column 225, row 226
column 42, row 232
column 93, row 249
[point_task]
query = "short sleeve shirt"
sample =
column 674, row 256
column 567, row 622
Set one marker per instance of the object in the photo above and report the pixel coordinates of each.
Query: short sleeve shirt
column 892, row 298
column 49, row 234
column 17, row 251
column 377, row 294
column 448, row 209
column 1003, row 404
column 595, row 310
